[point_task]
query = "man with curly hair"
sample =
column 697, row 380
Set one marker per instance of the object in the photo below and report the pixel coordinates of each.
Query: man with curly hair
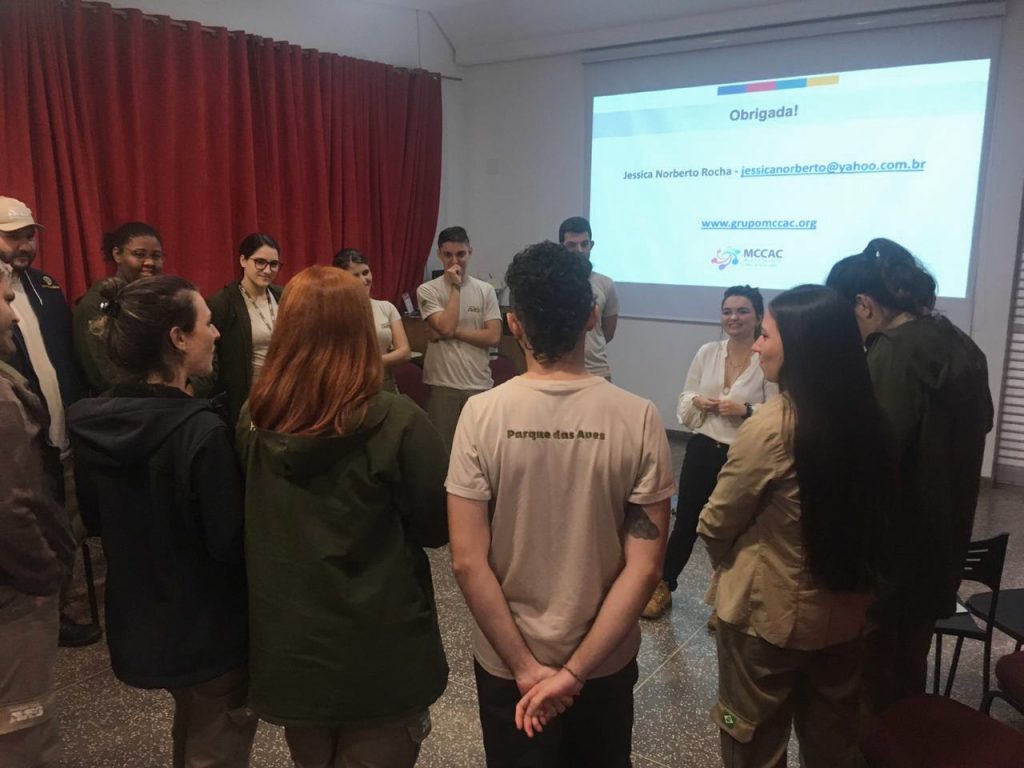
column 558, row 497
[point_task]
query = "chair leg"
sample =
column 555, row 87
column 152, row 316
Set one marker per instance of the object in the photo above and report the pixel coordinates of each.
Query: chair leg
column 986, row 702
column 938, row 662
column 985, row 667
column 90, row 584
column 952, row 667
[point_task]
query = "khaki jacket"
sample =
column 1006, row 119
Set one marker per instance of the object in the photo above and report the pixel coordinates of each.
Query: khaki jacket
column 751, row 525
column 36, row 546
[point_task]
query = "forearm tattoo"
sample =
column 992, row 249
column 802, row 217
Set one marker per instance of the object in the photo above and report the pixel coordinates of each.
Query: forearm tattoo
column 638, row 524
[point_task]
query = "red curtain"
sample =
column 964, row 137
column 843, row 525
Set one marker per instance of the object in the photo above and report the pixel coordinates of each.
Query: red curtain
column 107, row 117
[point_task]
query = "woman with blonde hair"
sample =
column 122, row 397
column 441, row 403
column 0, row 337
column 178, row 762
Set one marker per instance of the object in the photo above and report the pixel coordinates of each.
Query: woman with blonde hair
column 345, row 486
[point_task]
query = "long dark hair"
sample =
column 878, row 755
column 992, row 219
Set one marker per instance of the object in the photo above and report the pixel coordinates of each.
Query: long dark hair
column 888, row 273
column 842, row 446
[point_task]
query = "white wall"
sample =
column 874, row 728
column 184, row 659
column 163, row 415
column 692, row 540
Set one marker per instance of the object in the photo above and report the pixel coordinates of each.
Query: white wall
column 1001, row 210
column 526, row 156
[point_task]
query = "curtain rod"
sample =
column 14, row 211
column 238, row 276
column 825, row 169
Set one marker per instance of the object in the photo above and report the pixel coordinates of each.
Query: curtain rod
column 124, row 14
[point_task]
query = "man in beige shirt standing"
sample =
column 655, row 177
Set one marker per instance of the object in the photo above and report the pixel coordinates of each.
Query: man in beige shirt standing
column 574, row 233
column 558, row 496
column 464, row 321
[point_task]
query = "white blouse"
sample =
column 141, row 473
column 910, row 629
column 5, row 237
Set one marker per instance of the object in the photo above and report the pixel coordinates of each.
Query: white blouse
column 262, row 318
column 706, row 378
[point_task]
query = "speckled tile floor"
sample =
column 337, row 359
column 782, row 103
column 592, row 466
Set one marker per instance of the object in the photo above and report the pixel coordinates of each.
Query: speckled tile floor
column 105, row 724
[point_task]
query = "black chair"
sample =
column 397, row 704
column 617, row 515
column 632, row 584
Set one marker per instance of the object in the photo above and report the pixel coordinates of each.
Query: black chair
column 983, row 563
column 1010, row 616
column 1010, row 676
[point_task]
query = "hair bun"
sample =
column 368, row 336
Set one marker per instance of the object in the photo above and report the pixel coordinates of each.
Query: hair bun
column 110, row 291
column 110, row 307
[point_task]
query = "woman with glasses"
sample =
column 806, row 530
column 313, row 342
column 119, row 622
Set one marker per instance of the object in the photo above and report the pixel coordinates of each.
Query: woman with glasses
column 136, row 249
column 394, row 344
column 245, row 313
column 723, row 388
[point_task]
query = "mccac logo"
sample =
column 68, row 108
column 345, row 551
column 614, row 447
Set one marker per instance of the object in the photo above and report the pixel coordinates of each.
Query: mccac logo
column 725, row 256
column 757, row 256
column 762, row 253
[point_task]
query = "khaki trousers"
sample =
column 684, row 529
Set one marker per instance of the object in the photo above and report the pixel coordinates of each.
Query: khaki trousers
column 213, row 727
column 444, row 406
column 764, row 690
column 28, row 653
column 391, row 745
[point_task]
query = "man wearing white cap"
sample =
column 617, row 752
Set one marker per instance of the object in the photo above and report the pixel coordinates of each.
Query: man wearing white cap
column 43, row 355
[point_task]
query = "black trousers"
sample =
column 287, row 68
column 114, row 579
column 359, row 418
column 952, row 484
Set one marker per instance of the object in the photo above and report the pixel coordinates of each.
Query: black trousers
column 701, row 464
column 595, row 732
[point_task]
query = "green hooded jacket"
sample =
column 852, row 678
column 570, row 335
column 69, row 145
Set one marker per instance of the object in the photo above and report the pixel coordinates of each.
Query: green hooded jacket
column 343, row 624
column 931, row 381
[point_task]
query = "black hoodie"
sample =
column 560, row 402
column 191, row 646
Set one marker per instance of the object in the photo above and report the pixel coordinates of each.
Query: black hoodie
column 158, row 480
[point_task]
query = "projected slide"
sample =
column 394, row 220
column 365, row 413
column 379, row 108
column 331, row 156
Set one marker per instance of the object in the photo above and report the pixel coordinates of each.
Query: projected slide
column 769, row 182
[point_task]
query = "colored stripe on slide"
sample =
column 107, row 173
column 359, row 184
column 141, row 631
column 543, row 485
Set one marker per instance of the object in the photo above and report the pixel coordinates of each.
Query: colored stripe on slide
column 778, row 85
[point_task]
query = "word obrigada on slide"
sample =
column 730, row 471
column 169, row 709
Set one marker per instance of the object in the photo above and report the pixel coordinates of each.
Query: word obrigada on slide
column 764, row 114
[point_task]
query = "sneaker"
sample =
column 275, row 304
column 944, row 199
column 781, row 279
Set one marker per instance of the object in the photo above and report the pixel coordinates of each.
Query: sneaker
column 661, row 601
column 73, row 635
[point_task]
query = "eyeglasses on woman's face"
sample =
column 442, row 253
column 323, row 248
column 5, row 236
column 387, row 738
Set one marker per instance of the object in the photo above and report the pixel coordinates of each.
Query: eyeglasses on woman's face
column 264, row 264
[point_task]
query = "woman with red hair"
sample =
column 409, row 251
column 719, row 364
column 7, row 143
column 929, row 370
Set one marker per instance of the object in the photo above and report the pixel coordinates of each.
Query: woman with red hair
column 345, row 486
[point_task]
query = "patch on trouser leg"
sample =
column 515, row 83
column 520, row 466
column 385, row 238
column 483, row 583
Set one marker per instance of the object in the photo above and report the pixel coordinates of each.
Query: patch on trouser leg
column 25, row 714
column 731, row 723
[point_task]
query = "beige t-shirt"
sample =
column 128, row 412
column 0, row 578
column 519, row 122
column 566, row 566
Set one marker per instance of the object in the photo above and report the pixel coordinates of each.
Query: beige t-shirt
column 596, row 351
column 384, row 314
column 450, row 362
column 558, row 461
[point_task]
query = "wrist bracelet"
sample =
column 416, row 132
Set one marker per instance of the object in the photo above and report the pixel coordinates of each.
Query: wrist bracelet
column 577, row 677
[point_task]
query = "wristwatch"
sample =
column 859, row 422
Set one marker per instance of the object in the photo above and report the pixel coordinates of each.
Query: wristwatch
column 750, row 411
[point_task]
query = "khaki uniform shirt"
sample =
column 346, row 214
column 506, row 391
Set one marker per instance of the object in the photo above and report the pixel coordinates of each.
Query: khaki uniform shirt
column 751, row 525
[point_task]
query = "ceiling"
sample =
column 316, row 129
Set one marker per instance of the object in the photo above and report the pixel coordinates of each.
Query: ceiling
column 492, row 30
